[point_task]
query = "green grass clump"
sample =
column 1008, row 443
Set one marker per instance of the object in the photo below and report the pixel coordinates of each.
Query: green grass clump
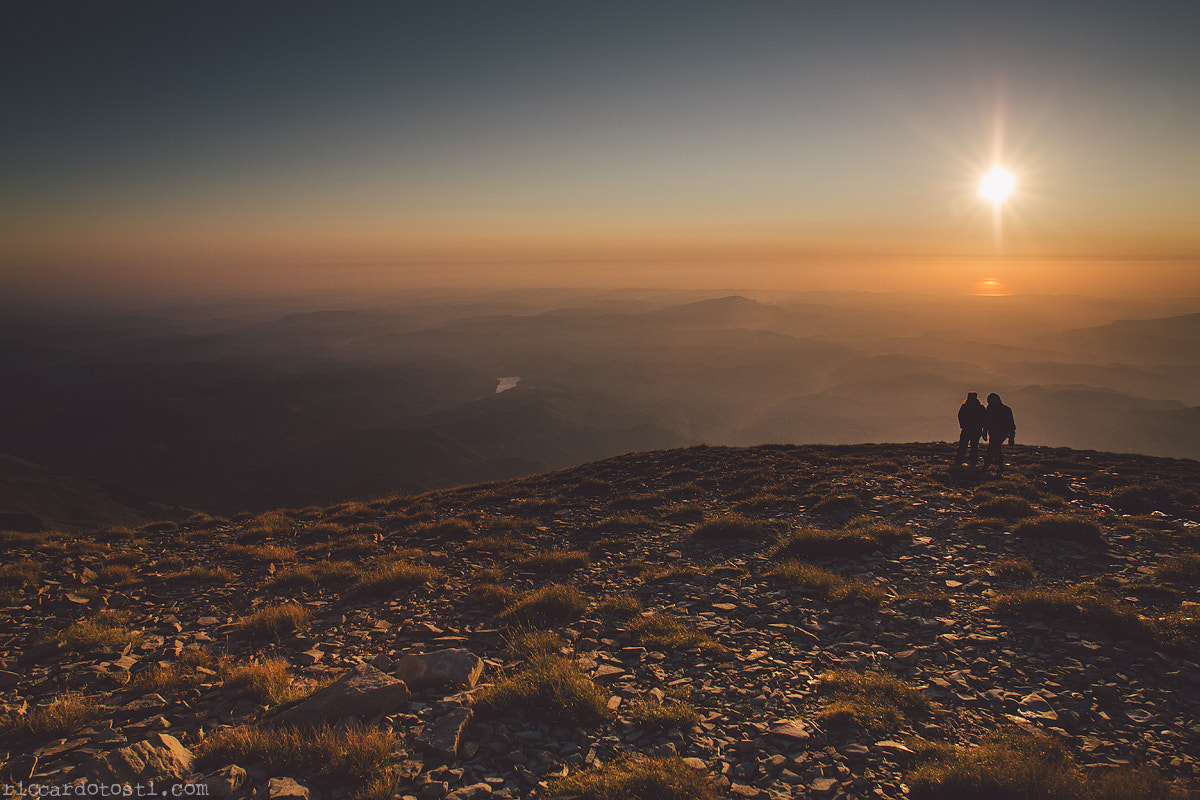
column 875, row 702
column 274, row 621
column 640, row 779
column 661, row 631
column 548, row 688
column 355, row 758
column 733, row 526
column 1059, row 526
column 817, row 582
column 1013, row 765
column 554, row 604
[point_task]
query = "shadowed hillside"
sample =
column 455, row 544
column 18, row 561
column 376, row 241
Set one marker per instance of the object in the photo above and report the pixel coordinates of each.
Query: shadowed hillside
column 774, row 621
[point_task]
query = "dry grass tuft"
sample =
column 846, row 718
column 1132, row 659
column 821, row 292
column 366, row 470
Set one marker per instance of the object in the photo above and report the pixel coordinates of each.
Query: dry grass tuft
column 875, row 702
column 553, row 561
column 733, row 526
column 555, row 604
column 267, row 682
column 548, row 688
column 817, row 582
column 621, row 605
column 102, row 629
column 66, row 714
column 637, row 779
column 1059, row 526
column 385, row 575
column 1014, row 764
column 274, row 621
column 664, row 716
column 354, row 758
column 664, row 632
column 857, row 538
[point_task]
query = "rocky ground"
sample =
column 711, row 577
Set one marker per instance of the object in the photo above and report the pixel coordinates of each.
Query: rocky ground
column 1110, row 700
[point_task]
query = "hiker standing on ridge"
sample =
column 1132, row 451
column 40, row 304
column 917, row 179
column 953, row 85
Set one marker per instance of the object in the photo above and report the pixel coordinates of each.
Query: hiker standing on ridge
column 1000, row 426
column 972, row 419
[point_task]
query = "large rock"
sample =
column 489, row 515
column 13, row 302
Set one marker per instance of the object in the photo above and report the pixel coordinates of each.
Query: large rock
column 160, row 758
column 454, row 667
column 285, row 789
column 442, row 738
column 224, row 782
column 362, row 692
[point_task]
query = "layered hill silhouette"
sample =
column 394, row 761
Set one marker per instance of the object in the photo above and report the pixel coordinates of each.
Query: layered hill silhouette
column 771, row 621
column 247, row 408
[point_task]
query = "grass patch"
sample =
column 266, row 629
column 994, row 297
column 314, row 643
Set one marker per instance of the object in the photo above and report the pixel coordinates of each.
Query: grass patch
column 201, row 574
column 66, row 715
column 1012, row 764
column 116, row 575
column 102, row 629
column 1014, row 569
column 621, row 605
column 548, row 688
column 263, row 553
column 190, row 669
column 494, row 595
column 637, row 779
column 355, row 758
column 1076, row 604
column 530, row 645
column 274, row 621
column 1059, row 526
column 1180, row 569
column 664, row 632
column 878, row 703
column 733, row 526
column 555, row 604
column 817, row 582
column 662, row 717
column 499, row 545
column 388, row 574
column 1006, row 507
column 553, row 561
column 857, row 538
column 267, row 682
column 836, row 504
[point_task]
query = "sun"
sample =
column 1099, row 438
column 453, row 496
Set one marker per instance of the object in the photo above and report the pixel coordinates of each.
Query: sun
column 997, row 185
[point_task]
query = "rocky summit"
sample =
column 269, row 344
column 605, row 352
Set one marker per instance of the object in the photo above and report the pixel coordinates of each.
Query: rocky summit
column 776, row 621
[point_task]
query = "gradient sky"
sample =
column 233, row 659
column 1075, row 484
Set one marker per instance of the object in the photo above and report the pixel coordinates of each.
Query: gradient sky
column 191, row 146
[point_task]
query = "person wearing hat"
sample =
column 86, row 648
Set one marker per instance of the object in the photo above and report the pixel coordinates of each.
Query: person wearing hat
column 1000, row 426
column 972, row 418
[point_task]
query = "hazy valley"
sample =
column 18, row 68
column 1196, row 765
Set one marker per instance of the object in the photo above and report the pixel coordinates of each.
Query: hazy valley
column 266, row 404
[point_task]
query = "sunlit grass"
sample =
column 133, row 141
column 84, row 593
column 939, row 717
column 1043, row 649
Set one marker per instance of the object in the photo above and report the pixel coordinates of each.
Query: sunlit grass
column 637, row 779
column 555, row 604
column 878, row 703
column 275, row 620
column 661, row 631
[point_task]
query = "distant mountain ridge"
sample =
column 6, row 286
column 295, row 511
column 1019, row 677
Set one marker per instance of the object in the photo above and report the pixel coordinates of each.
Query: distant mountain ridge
column 297, row 407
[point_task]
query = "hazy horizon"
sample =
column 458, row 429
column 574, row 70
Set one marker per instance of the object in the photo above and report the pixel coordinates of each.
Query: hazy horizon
column 162, row 151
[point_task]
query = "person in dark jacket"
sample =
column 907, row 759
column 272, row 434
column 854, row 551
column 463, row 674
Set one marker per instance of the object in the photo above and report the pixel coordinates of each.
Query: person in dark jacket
column 1000, row 426
column 972, row 419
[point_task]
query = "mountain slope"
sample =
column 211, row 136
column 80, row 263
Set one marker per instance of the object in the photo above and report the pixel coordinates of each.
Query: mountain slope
column 726, row 591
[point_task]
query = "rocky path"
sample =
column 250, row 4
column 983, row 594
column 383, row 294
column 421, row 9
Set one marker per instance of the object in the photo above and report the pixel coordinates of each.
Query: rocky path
column 1111, row 700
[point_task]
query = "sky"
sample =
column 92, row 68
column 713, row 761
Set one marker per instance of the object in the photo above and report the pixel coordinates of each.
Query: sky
column 206, row 147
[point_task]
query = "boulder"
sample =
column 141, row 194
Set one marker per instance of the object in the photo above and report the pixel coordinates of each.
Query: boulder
column 362, row 692
column 224, row 782
column 160, row 758
column 285, row 789
column 442, row 738
column 454, row 667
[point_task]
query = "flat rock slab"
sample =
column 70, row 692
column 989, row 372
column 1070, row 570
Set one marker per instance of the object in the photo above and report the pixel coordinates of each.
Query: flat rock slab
column 443, row 737
column 362, row 692
column 452, row 667
column 159, row 758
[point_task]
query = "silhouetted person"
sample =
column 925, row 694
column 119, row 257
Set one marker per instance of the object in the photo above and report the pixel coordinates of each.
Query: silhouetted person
column 1000, row 426
column 972, row 419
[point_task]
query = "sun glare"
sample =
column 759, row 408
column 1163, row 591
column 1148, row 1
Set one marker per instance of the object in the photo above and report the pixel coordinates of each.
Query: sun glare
column 997, row 185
